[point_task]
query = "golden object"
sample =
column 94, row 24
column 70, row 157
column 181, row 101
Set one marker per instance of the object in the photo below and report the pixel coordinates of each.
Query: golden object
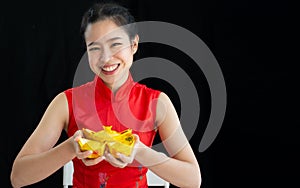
column 117, row 142
column 122, row 143
column 97, row 147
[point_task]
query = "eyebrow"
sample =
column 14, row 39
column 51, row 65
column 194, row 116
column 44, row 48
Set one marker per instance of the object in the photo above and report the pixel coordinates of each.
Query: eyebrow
column 109, row 40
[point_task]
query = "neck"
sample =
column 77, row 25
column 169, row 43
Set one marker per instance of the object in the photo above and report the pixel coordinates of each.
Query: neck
column 114, row 87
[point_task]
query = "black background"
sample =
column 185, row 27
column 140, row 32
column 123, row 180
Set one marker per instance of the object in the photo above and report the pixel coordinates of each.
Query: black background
column 254, row 43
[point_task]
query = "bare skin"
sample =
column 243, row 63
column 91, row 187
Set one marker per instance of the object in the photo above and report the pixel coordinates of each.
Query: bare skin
column 39, row 157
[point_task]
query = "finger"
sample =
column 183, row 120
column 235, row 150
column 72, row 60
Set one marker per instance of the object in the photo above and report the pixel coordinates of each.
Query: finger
column 137, row 143
column 136, row 136
column 84, row 154
column 77, row 138
column 78, row 134
column 114, row 161
column 90, row 162
column 111, row 158
column 124, row 158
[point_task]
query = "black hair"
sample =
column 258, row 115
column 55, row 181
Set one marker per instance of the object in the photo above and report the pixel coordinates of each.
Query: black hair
column 109, row 10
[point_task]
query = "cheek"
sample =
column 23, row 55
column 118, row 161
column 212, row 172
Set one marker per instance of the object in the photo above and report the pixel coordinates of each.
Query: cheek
column 126, row 56
column 92, row 59
column 93, row 64
column 90, row 62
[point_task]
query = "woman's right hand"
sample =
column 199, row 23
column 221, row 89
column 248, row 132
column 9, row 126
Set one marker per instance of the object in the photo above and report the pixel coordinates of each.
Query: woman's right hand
column 83, row 155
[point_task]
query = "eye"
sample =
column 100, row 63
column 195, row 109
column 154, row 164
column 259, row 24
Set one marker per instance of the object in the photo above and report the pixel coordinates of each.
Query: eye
column 94, row 49
column 116, row 44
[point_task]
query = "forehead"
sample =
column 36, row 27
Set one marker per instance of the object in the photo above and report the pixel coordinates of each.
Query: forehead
column 104, row 30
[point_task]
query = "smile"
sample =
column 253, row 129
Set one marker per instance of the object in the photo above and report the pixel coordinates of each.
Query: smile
column 110, row 68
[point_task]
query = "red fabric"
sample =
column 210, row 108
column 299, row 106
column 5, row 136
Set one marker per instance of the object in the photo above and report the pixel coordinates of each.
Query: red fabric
column 93, row 105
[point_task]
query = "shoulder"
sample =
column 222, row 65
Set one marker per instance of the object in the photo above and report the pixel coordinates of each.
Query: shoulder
column 59, row 101
column 164, row 102
column 84, row 87
column 162, row 96
column 142, row 88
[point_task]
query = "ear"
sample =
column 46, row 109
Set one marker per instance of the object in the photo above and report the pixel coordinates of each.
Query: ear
column 135, row 43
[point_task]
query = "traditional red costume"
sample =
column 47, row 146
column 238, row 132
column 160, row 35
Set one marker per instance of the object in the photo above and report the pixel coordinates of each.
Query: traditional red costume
column 93, row 105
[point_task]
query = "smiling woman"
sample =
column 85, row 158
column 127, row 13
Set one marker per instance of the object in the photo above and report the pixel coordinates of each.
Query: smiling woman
column 118, row 101
column 110, row 52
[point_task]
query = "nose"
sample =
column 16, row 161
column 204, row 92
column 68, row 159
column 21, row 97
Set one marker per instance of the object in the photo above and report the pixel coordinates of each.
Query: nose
column 105, row 56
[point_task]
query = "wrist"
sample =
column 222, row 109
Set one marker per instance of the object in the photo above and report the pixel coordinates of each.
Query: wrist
column 140, row 149
column 71, row 145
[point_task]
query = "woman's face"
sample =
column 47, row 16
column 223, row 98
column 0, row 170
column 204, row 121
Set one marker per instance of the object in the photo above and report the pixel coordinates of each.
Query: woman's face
column 110, row 52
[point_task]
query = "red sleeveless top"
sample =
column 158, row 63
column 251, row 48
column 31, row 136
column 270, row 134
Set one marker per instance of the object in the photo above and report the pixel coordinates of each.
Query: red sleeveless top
column 93, row 105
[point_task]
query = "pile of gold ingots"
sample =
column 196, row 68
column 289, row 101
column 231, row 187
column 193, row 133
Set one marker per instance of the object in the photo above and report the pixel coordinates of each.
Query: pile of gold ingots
column 116, row 142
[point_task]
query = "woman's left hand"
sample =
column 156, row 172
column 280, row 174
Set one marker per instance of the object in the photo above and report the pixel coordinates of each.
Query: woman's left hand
column 122, row 160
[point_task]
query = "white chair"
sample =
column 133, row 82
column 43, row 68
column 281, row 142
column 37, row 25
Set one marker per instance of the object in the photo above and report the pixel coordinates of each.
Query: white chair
column 68, row 174
column 153, row 179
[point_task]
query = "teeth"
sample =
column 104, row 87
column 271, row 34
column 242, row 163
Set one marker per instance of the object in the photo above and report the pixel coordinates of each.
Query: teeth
column 110, row 68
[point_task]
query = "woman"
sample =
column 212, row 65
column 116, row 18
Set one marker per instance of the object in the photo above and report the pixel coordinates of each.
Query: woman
column 112, row 98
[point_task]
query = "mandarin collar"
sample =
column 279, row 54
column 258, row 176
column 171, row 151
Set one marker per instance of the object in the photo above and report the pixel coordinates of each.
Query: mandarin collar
column 122, row 92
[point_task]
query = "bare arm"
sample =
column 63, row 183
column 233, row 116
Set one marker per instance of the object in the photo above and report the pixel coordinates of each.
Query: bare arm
column 38, row 157
column 181, row 168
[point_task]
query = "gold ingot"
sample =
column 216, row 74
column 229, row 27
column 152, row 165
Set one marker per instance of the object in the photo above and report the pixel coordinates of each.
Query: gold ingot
column 95, row 146
column 123, row 143
column 102, row 136
column 117, row 142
